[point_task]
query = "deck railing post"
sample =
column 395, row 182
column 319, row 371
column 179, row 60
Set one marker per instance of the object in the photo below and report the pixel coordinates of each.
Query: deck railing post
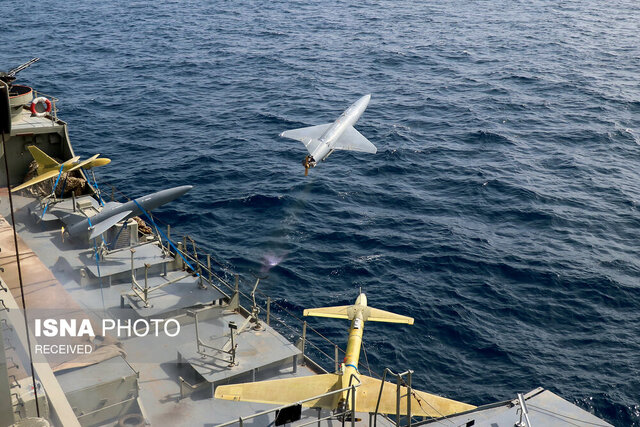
column 304, row 341
column 268, row 310
column 336, row 363
column 178, row 259
column 146, row 284
column 201, row 284
column 184, row 251
column 235, row 298
column 398, row 396
column 133, row 276
column 168, row 238
column 353, row 406
column 409, row 398
column 195, row 249
column 195, row 322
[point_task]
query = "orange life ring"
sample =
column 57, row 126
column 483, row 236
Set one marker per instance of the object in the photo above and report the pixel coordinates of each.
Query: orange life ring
column 39, row 102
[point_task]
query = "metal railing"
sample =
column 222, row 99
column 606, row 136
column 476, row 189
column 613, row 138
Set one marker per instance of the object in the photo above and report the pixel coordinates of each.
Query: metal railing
column 277, row 316
column 399, row 381
column 524, row 413
column 350, row 407
column 204, row 265
column 53, row 99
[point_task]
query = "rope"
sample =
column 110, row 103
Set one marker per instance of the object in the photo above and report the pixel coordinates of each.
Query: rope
column 97, row 190
column 366, row 359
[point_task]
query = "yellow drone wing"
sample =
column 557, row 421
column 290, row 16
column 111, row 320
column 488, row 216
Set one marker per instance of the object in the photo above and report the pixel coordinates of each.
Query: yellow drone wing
column 292, row 390
column 422, row 403
column 285, row 391
column 37, row 179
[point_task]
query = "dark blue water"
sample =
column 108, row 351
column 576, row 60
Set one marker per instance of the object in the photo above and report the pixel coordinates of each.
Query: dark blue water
column 502, row 208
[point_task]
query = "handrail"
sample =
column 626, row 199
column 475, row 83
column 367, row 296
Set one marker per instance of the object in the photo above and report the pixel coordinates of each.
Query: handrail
column 206, row 270
column 524, row 412
column 222, row 285
column 399, row 377
column 350, row 389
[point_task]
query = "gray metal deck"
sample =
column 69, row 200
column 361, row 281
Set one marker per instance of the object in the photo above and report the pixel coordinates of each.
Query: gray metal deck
column 170, row 298
column 59, row 209
column 544, row 409
column 267, row 343
column 119, row 261
column 156, row 360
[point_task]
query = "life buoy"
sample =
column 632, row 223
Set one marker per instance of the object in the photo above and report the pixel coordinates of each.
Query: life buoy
column 40, row 106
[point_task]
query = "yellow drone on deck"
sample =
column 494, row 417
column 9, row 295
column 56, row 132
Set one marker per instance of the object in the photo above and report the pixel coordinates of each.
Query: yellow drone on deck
column 292, row 390
column 49, row 168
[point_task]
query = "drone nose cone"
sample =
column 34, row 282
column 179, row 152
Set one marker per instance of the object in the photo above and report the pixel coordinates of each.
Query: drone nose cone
column 361, row 300
column 174, row 193
column 182, row 190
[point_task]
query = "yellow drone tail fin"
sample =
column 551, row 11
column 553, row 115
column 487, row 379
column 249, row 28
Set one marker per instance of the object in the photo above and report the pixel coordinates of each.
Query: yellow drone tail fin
column 45, row 163
column 41, row 177
column 377, row 315
column 285, row 391
column 348, row 311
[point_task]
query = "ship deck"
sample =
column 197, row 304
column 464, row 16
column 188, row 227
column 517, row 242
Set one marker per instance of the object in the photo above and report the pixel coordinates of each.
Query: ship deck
column 175, row 382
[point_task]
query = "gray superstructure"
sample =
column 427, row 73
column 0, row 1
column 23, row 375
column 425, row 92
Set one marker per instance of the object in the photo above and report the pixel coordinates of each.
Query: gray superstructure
column 219, row 328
